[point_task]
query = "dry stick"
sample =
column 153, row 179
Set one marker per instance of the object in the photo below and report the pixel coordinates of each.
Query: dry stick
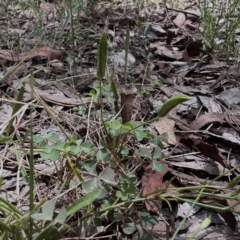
column 46, row 107
column 183, row 11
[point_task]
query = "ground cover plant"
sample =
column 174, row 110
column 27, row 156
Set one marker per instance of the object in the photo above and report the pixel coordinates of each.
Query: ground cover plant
column 119, row 120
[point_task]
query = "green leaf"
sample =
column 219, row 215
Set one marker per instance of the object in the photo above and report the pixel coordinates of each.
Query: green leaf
column 15, row 109
column 86, row 146
column 164, row 136
column 74, row 169
column 58, row 145
column 95, row 184
column 206, row 222
column 45, row 134
column 129, row 228
column 49, row 154
column 73, row 138
column 128, row 178
column 102, row 56
column 37, row 139
column 148, row 219
column 140, row 135
column 130, row 125
column 61, row 217
column 145, row 154
column 45, row 154
column 172, row 103
column 234, row 182
column 88, row 164
column 49, row 231
column 157, row 153
column 73, row 149
column 156, row 141
column 47, row 211
column 116, row 124
column 108, row 175
column 54, row 137
column 54, row 155
column 90, row 185
column 5, row 226
column 5, row 139
column 125, row 150
column 159, row 166
column 107, row 124
column 48, row 208
column 103, row 155
column 83, row 201
column 122, row 195
column 143, row 234
column 41, row 217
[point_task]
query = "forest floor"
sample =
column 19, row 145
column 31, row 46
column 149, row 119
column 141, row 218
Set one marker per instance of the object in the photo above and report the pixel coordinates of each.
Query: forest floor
column 85, row 157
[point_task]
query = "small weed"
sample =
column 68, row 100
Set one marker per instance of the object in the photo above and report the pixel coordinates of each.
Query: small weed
column 220, row 20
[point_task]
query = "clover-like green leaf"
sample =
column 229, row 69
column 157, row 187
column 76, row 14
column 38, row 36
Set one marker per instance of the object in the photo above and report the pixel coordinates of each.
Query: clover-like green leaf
column 158, row 166
column 145, row 154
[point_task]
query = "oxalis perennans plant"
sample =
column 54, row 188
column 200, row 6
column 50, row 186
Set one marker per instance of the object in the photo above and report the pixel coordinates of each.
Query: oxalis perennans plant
column 111, row 150
column 110, row 183
column 104, row 176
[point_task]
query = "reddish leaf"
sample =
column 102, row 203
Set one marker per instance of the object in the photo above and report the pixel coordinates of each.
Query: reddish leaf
column 152, row 181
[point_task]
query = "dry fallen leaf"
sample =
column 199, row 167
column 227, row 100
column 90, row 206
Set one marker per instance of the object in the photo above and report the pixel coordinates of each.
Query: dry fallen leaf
column 152, row 181
column 43, row 51
column 166, row 125
column 180, row 19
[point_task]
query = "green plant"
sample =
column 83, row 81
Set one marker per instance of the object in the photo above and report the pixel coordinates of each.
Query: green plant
column 112, row 150
column 220, row 20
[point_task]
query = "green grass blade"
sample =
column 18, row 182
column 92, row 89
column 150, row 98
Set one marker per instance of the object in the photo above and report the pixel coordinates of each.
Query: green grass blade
column 48, row 233
column 83, row 201
column 69, row 16
column 31, row 166
column 15, row 109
